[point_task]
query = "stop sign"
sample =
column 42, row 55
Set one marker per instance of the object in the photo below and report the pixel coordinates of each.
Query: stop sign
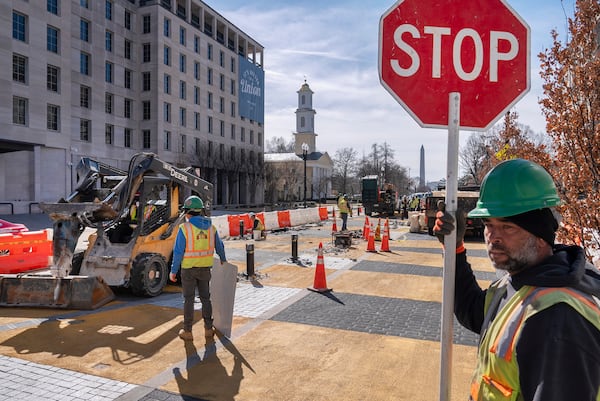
column 430, row 48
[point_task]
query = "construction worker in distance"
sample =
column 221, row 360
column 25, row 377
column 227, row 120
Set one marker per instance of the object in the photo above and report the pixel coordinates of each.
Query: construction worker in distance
column 195, row 244
column 257, row 225
column 345, row 210
column 540, row 323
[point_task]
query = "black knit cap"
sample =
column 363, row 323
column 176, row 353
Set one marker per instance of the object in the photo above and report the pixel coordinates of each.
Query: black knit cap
column 539, row 222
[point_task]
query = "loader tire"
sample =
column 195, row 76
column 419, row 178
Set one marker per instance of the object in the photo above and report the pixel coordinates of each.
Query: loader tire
column 149, row 275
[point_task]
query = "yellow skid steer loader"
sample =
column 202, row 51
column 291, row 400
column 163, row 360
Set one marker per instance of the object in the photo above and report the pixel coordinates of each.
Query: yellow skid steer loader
column 135, row 224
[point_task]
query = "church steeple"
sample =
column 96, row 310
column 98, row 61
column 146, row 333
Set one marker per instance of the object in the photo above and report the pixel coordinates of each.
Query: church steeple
column 305, row 120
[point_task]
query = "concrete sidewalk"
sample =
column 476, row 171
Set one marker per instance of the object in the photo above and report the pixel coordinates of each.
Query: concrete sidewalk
column 374, row 337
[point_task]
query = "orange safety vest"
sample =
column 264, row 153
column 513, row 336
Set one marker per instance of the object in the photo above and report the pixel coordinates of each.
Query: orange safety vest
column 199, row 246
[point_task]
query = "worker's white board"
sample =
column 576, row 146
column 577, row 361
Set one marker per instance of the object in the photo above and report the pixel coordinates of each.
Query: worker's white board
column 222, row 293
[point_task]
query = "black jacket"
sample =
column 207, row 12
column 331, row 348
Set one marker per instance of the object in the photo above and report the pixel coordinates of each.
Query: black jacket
column 558, row 352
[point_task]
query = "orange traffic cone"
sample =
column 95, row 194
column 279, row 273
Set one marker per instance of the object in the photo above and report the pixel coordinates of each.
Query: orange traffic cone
column 378, row 231
column 365, row 234
column 334, row 226
column 385, row 243
column 371, row 243
column 320, row 283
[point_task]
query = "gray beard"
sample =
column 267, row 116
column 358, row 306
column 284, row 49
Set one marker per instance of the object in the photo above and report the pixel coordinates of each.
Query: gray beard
column 520, row 259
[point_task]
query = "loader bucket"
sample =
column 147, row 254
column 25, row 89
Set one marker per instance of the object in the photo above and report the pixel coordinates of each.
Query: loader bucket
column 44, row 291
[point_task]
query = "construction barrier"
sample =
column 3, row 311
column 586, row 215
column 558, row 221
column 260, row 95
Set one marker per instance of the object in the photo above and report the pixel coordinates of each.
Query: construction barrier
column 229, row 225
column 25, row 251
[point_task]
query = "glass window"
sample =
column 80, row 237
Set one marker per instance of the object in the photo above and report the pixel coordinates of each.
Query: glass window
column 108, row 68
column 182, row 116
column 127, row 21
column 209, row 51
column 52, row 39
column 127, row 108
column 182, row 90
column 167, row 55
column 85, row 130
column 167, row 84
column 167, row 27
column 19, row 68
column 52, row 78
column 196, row 120
column 127, row 49
column 146, row 24
column 109, row 131
column 196, row 95
column 85, row 93
column 233, row 131
column 127, row 79
column 182, row 36
column 84, row 3
column 109, row 10
column 182, row 62
column 108, row 41
column 210, row 100
column 20, row 110
column 84, row 63
column 146, row 139
column 183, row 143
column 146, row 52
column 146, row 81
column 209, row 75
column 108, row 103
column 127, row 137
column 210, row 123
column 196, row 70
column 19, row 26
column 167, row 140
column 197, row 44
column 146, row 110
column 84, row 30
column 52, row 6
column 167, row 112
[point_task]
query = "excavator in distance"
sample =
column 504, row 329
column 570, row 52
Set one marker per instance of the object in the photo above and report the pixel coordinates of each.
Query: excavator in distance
column 135, row 215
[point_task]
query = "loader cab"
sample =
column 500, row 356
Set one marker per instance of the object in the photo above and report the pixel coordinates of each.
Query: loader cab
column 149, row 210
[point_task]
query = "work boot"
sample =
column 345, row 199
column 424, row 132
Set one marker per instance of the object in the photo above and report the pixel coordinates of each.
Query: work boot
column 186, row 335
column 209, row 332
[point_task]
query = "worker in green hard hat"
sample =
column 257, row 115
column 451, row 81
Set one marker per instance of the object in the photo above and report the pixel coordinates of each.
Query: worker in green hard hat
column 540, row 323
column 196, row 242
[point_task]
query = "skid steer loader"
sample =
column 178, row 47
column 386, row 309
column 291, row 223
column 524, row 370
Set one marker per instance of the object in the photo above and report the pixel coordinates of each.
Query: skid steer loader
column 135, row 215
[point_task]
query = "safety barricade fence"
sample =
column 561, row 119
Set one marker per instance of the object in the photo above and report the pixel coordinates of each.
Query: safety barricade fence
column 24, row 251
column 229, row 225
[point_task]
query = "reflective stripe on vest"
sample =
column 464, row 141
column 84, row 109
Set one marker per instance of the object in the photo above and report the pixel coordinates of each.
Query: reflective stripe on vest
column 497, row 373
column 199, row 246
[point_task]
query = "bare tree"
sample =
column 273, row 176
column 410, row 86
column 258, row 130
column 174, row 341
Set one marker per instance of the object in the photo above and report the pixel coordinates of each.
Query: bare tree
column 571, row 105
column 278, row 144
column 344, row 166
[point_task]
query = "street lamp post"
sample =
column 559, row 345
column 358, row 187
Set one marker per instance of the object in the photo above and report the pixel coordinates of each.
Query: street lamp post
column 304, row 156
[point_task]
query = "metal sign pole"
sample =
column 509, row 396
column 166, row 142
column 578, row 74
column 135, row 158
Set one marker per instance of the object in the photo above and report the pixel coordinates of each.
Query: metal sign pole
column 449, row 248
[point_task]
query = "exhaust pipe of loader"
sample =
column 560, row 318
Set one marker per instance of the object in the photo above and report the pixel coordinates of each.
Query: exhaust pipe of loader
column 58, row 289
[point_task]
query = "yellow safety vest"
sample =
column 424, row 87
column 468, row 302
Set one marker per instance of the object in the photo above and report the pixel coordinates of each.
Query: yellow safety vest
column 199, row 246
column 497, row 374
column 343, row 206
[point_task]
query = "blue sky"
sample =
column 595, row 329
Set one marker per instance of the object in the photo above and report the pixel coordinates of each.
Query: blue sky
column 333, row 44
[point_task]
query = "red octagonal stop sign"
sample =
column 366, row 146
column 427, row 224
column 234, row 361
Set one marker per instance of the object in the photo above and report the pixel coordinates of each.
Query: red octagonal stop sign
column 430, row 48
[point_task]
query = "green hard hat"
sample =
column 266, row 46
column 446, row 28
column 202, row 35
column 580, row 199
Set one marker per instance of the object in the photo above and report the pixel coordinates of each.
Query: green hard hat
column 193, row 203
column 513, row 187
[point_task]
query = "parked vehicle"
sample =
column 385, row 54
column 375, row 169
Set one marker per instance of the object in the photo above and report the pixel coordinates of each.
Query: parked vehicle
column 466, row 200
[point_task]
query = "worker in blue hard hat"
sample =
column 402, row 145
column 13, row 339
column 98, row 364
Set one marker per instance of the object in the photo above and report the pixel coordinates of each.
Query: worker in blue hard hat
column 196, row 242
